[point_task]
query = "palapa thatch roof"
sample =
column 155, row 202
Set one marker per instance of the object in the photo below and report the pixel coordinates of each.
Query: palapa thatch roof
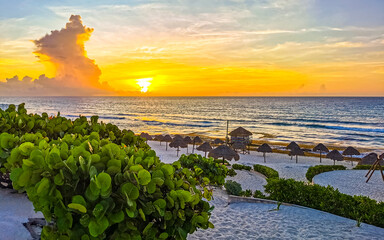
column 167, row 138
column 197, row 139
column 223, row 151
column 177, row 142
column 335, row 155
column 146, row 136
column 292, row 145
column 178, row 137
column 240, row 132
column 368, row 159
column 205, row 147
column 296, row 152
column 320, row 148
column 218, row 141
column 264, row 148
column 188, row 140
column 351, row 151
column 159, row 137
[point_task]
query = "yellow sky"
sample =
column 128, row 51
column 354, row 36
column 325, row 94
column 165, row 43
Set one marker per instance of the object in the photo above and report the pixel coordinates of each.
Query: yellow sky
column 275, row 49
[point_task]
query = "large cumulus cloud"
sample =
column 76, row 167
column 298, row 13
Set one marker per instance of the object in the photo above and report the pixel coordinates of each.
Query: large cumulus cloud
column 76, row 74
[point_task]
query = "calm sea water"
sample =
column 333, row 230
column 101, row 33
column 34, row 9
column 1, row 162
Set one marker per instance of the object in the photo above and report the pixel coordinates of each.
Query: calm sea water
column 338, row 121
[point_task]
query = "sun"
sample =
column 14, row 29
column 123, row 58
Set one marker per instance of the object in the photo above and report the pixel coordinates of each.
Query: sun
column 144, row 83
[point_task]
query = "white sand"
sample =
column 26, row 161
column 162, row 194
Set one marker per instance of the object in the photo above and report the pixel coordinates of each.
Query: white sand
column 256, row 221
column 15, row 209
column 352, row 182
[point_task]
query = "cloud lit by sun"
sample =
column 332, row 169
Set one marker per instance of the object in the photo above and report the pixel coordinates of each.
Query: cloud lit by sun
column 144, row 84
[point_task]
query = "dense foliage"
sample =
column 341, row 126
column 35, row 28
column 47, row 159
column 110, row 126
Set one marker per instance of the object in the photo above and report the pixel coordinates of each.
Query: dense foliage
column 205, row 169
column 233, row 188
column 314, row 170
column 241, row 167
column 365, row 167
column 326, row 199
column 231, row 172
column 16, row 124
column 266, row 171
column 94, row 181
column 95, row 189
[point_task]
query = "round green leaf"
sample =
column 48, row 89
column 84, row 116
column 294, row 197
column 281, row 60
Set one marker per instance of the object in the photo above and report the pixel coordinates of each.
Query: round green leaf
column 144, row 177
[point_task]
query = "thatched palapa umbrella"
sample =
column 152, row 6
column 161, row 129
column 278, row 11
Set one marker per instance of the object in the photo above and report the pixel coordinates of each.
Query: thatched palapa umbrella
column 218, row 141
column 350, row 151
column 146, row 136
column 159, row 138
column 291, row 146
column 178, row 143
column 335, row 156
column 205, row 147
column 264, row 148
column 187, row 140
column 178, row 137
column 321, row 148
column 225, row 152
column 196, row 139
column 167, row 139
column 368, row 159
column 296, row 152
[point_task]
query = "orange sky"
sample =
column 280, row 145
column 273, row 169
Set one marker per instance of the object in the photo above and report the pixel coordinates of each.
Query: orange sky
column 233, row 49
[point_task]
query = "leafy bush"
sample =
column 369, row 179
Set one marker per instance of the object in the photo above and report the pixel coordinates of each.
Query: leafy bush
column 233, row 188
column 231, row 172
column 258, row 194
column 241, row 167
column 91, row 188
column 266, row 171
column 314, row 170
column 247, row 193
column 205, row 168
column 364, row 167
column 326, row 199
column 220, row 161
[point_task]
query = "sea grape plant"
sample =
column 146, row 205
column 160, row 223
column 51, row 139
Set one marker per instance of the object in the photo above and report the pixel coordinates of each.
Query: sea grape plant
column 91, row 188
column 205, row 169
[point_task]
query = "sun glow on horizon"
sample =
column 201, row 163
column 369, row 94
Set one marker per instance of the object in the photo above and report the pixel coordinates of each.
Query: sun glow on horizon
column 144, row 84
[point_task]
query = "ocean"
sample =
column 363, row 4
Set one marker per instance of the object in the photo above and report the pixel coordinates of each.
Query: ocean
column 340, row 121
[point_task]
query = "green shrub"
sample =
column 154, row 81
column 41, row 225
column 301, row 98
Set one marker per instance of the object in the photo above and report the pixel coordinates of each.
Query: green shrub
column 231, row 172
column 314, row 170
column 258, row 194
column 326, row 199
column 91, row 188
column 364, row 167
column 220, row 161
column 233, row 188
column 266, row 171
column 241, row 167
column 247, row 193
column 205, row 168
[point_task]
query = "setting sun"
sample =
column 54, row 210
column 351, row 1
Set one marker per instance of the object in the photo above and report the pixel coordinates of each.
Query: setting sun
column 144, row 83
